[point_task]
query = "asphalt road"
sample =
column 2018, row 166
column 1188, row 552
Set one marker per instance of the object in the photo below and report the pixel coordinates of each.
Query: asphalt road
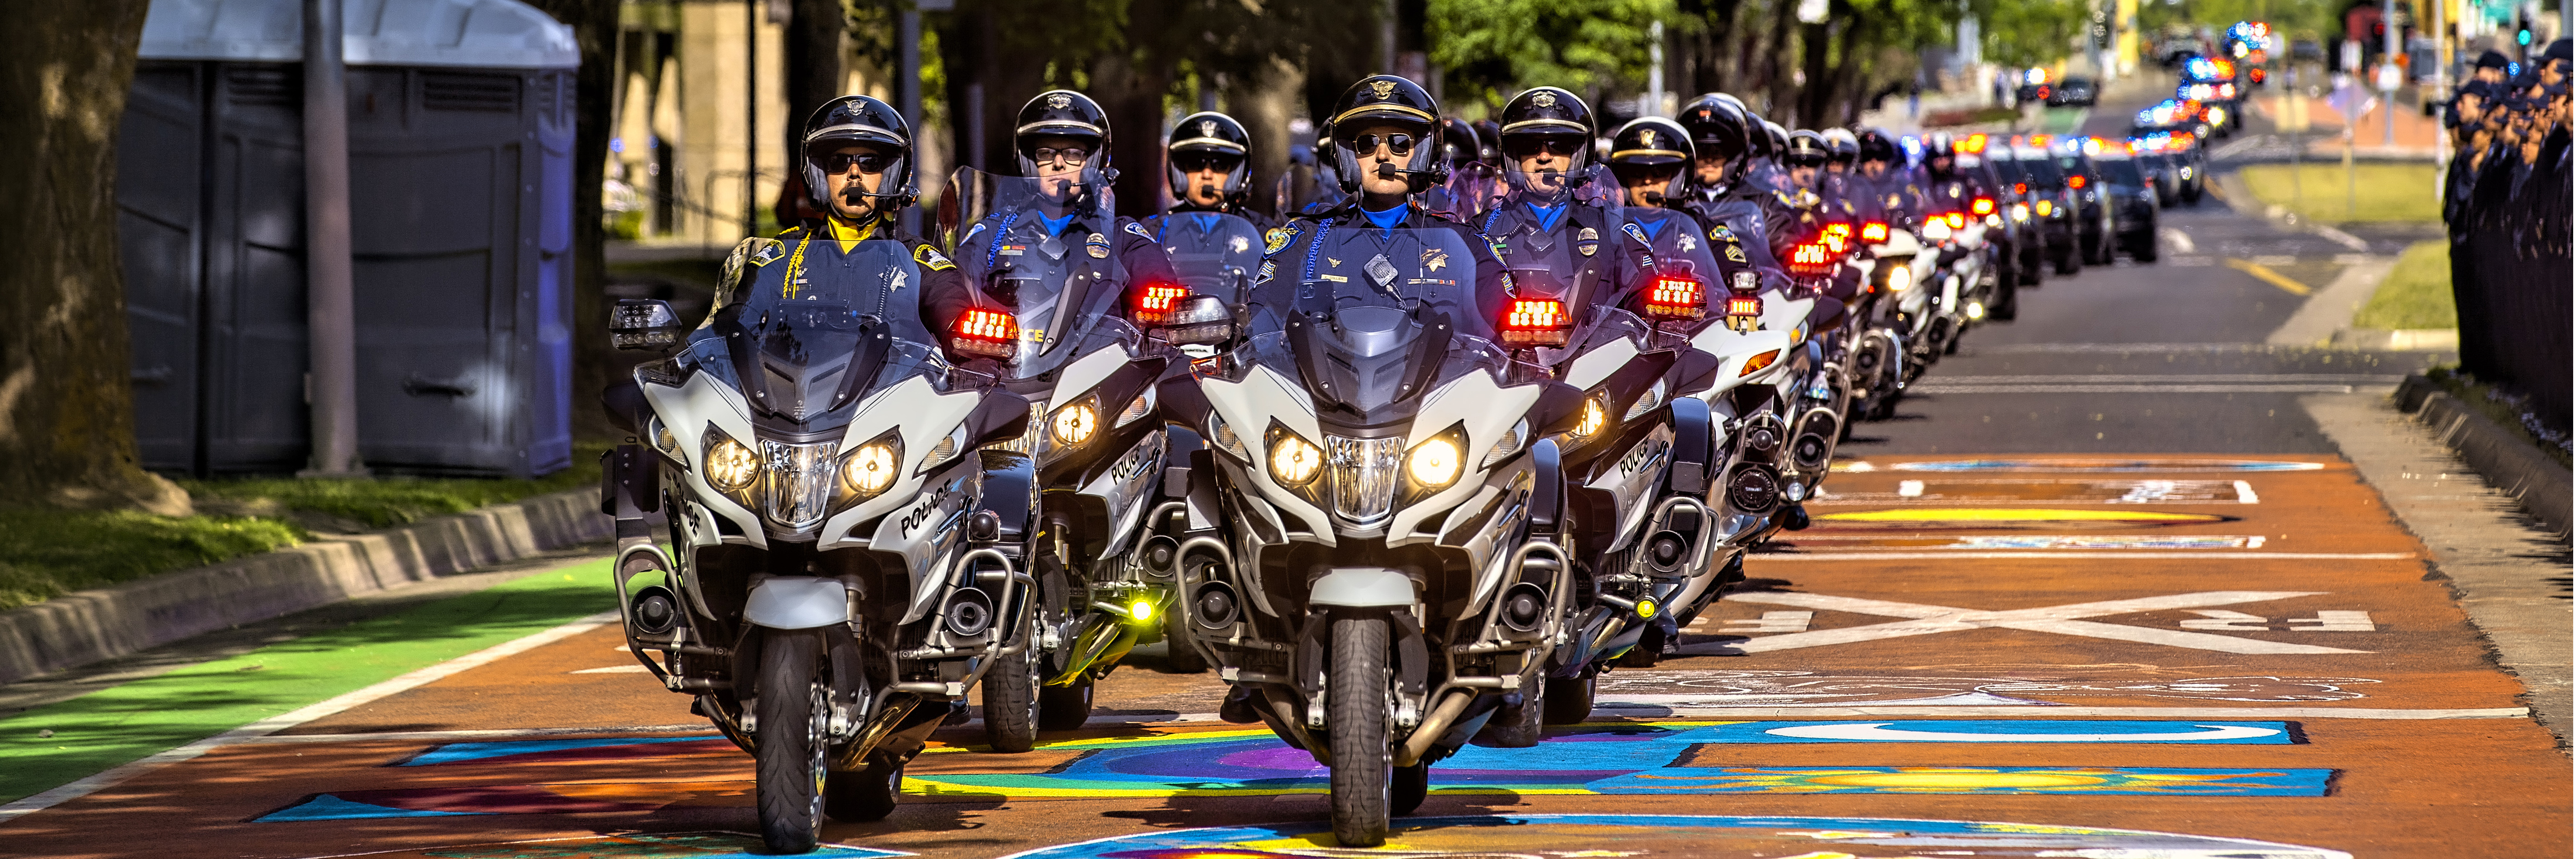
column 2103, row 588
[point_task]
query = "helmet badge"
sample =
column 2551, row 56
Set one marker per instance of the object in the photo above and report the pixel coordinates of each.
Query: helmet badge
column 1646, row 136
column 1383, row 89
column 1059, row 101
column 1207, row 128
column 1543, row 99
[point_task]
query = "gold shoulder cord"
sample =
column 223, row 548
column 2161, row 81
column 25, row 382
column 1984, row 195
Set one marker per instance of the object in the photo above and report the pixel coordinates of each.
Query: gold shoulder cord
column 795, row 261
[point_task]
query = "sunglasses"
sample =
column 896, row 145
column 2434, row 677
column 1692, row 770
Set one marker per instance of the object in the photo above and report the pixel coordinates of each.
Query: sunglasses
column 1366, row 144
column 869, row 162
column 1556, row 144
column 1806, row 161
column 1195, row 162
column 1630, row 173
column 1068, row 155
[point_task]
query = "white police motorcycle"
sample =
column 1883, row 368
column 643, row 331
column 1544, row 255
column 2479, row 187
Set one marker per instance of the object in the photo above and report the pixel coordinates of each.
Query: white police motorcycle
column 846, row 560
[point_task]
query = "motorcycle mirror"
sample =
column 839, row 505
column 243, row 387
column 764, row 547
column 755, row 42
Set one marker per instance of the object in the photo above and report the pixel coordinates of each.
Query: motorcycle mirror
column 645, row 323
column 1002, row 417
column 1199, row 321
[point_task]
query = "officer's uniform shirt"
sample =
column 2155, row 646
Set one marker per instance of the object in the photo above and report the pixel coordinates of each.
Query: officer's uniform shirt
column 1478, row 284
column 1574, row 244
column 945, row 293
column 1203, row 243
column 1716, row 253
column 1115, row 248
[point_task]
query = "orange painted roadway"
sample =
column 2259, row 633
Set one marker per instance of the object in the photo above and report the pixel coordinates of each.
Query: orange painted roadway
column 2253, row 646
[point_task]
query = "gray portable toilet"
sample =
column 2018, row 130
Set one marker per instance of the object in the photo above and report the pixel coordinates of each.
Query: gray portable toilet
column 460, row 172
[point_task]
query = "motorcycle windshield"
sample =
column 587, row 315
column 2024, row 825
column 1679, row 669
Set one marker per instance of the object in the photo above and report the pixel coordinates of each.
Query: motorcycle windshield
column 1378, row 317
column 1214, row 253
column 1045, row 250
column 813, row 333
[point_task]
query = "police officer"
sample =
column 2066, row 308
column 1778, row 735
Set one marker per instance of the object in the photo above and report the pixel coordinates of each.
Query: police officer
column 1213, row 239
column 1062, row 143
column 1946, row 188
column 1383, row 143
column 1721, row 194
column 1651, row 157
column 1881, row 174
column 1555, row 222
column 1776, row 139
column 856, row 169
column 1470, row 185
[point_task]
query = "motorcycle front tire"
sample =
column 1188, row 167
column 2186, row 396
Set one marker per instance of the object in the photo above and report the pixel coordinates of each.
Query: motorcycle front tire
column 1356, row 697
column 789, row 760
column 1011, row 703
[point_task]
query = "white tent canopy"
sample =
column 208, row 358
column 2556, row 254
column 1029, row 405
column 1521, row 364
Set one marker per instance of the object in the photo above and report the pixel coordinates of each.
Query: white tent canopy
column 478, row 33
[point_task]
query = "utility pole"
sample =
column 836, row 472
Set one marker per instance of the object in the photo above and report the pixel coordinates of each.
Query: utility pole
column 330, row 301
column 1654, row 105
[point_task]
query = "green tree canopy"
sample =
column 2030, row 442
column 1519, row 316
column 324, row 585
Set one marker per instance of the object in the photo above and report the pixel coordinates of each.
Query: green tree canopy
column 1490, row 49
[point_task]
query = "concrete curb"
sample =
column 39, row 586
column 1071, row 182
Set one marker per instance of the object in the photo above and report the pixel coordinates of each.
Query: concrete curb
column 2398, row 340
column 80, row 628
column 2543, row 487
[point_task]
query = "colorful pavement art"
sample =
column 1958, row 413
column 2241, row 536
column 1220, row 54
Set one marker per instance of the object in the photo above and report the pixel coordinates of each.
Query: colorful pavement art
column 1711, row 688
column 1649, row 758
column 1611, row 835
column 681, row 845
column 2081, row 465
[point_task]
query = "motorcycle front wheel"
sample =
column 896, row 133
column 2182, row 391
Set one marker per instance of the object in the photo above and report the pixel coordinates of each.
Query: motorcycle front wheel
column 1356, row 697
column 793, row 711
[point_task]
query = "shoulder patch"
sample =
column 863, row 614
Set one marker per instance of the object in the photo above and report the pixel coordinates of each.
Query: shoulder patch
column 1735, row 253
column 1636, row 232
column 1720, row 233
column 1139, row 229
column 1279, row 237
column 931, row 259
column 766, row 252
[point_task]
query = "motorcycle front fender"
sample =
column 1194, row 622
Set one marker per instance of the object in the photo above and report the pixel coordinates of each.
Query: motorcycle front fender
column 797, row 602
column 1362, row 587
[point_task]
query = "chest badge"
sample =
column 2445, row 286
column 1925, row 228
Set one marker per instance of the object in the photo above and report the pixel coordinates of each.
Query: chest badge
column 1688, row 242
column 1586, row 240
column 1434, row 259
column 1238, row 244
column 1097, row 246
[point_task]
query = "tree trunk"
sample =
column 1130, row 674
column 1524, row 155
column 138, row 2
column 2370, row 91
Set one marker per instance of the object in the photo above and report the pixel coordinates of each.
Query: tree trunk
column 1133, row 97
column 594, row 28
column 1264, row 105
column 813, row 61
column 66, row 404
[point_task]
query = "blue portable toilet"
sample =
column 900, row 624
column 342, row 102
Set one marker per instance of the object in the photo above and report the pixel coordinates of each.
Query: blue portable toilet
column 460, row 165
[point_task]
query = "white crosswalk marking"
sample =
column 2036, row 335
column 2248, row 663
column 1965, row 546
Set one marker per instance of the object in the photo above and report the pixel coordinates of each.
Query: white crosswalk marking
column 2063, row 620
column 2338, row 621
column 1773, row 621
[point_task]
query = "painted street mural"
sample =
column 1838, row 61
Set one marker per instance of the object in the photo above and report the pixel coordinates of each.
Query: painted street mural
column 1618, row 835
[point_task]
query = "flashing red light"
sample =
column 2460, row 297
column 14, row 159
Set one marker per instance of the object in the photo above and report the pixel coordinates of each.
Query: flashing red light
column 1744, row 305
column 2256, row 74
column 1983, row 206
column 1536, row 322
column 2020, row 188
column 1873, row 231
column 1837, row 237
column 2075, row 182
column 1956, row 220
column 989, row 333
column 2043, row 92
column 1677, row 296
column 1974, row 143
column 1156, row 301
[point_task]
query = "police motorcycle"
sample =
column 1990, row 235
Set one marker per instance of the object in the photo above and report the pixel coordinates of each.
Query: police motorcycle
column 1046, row 246
column 1638, row 482
column 1215, row 245
column 1389, row 565
column 846, row 564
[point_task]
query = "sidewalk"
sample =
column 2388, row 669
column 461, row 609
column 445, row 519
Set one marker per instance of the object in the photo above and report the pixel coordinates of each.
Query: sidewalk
column 2418, row 136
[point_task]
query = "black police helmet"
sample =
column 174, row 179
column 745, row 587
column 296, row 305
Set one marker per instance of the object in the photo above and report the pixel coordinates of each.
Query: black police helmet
column 1209, row 136
column 1489, row 142
column 1806, row 149
column 1779, row 137
column 1063, row 113
column 1379, row 100
column 1841, row 147
column 858, row 119
column 1458, row 143
column 1717, row 127
column 1542, row 113
column 1940, row 144
column 1651, row 146
column 1875, row 145
column 1757, row 137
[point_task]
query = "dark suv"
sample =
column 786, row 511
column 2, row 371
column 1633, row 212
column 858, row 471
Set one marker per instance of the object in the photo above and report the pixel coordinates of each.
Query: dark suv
column 2130, row 195
column 2053, row 207
column 2014, row 195
column 2093, row 227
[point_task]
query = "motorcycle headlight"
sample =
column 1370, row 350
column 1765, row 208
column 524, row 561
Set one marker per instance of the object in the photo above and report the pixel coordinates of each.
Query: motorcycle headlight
column 1596, row 415
column 730, row 466
column 1433, row 464
column 1899, row 278
column 1294, row 461
column 869, row 469
column 1074, row 424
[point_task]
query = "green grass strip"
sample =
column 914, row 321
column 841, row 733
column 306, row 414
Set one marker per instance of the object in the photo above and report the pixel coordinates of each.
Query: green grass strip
column 2374, row 192
column 2417, row 293
column 116, row 725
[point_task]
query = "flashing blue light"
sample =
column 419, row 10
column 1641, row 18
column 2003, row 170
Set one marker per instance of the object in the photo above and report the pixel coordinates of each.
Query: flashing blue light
column 617, row 144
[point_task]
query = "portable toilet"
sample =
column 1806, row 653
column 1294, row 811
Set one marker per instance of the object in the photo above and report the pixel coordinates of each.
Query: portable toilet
column 460, row 171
